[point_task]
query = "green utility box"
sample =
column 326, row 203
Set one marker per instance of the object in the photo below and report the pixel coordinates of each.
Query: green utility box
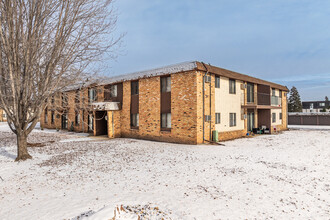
column 215, row 137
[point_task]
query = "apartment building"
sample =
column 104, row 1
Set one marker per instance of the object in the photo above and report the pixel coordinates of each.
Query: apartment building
column 182, row 103
column 316, row 106
column 3, row 116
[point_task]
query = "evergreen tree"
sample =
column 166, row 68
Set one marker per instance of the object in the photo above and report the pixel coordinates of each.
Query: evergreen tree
column 326, row 99
column 294, row 104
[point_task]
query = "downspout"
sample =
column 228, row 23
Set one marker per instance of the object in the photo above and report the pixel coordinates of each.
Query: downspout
column 204, row 103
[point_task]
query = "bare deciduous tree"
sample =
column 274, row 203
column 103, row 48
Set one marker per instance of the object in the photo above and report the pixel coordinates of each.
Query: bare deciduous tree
column 46, row 45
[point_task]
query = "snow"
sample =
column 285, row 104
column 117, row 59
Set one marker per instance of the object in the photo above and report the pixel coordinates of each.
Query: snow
column 284, row 176
column 176, row 68
column 309, row 127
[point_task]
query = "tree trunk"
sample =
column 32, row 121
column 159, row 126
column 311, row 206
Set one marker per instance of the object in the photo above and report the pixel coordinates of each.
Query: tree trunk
column 22, row 153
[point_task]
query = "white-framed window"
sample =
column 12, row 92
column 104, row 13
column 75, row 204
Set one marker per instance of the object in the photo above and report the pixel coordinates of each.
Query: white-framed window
column 166, row 120
column 134, row 120
column 134, row 87
column 165, row 84
column 217, row 81
column 113, row 91
column 217, row 118
column 232, row 86
column 232, row 119
column 273, row 117
column 77, row 118
column 92, row 95
column 52, row 118
column 273, row 92
column 46, row 116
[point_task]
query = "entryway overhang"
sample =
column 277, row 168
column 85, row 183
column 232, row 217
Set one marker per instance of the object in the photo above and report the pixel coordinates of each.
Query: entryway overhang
column 106, row 106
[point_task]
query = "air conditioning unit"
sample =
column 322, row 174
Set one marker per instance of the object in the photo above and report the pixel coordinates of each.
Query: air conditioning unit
column 243, row 86
column 243, row 116
column 207, row 79
column 207, row 118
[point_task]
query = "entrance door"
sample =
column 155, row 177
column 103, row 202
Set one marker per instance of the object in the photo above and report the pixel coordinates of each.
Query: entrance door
column 250, row 121
column 64, row 121
column 101, row 124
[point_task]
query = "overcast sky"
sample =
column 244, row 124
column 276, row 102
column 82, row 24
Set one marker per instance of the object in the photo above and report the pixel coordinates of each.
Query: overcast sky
column 285, row 41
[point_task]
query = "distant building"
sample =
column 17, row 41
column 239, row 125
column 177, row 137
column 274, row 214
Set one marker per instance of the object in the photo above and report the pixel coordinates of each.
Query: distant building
column 315, row 106
column 3, row 116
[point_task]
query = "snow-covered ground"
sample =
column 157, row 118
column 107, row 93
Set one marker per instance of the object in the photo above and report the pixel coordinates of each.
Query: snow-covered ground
column 284, row 176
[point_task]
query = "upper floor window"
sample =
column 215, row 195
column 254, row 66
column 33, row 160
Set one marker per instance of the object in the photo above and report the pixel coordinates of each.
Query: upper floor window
column 77, row 97
column 217, row 81
column 64, row 100
column 165, row 84
column 273, row 92
column 92, row 95
column 113, row 91
column 53, row 99
column 322, row 104
column 134, row 87
column 232, row 86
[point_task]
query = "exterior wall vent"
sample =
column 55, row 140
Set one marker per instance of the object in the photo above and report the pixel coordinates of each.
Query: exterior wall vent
column 207, row 118
column 207, row 79
column 243, row 116
column 243, row 86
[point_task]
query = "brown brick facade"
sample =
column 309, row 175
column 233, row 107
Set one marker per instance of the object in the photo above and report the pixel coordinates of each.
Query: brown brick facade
column 187, row 118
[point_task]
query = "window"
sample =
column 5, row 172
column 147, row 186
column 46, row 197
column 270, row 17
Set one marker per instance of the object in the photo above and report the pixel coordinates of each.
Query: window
column 52, row 117
column 311, row 106
column 232, row 119
column 273, row 117
column 64, row 100
column 46, row 116
column 217, row 118
column 166, row 84
column 135, row 88
column 77, row 97
column 232, row 86
column 77, row 118
column 166, row 120
column 53, row 100
column 113, row 91
column 92, row 95
column 135, row 120
column 280, row 116
column 217, row 81
column 250, row 92
column 273, row 92
column 322, row 104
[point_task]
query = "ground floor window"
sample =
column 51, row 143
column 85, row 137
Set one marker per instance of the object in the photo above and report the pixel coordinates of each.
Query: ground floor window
column 53, row 117
column 77, row 118
column 166, row 120
column 135, row 120
column 46, row 116
column 217, row 118
column 273, row 117
column 280, row 116
column 232, row 119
